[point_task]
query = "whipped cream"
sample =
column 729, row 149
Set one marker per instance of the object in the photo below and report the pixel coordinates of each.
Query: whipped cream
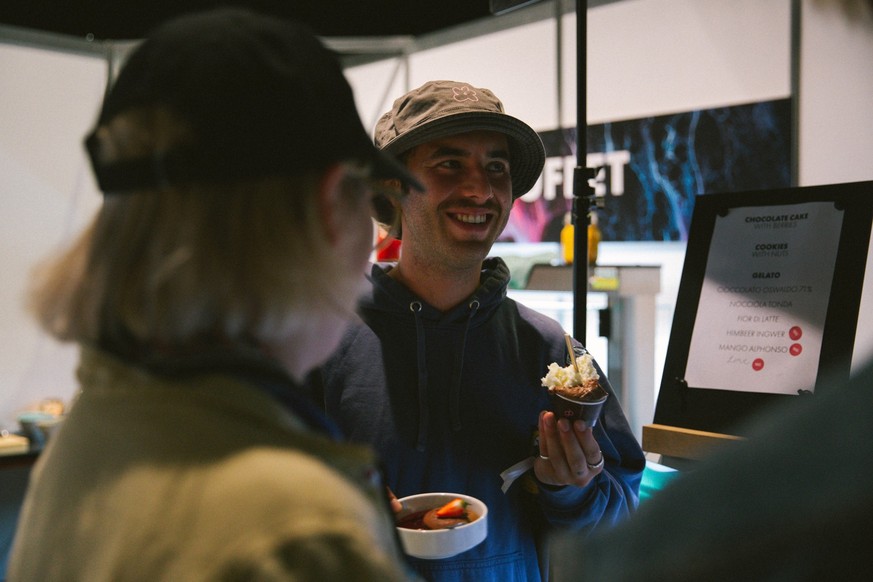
column 565, row 377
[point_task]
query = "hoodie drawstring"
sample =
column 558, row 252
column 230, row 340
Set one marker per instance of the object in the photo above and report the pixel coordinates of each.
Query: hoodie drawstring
column 423, row 416
column 456, row 388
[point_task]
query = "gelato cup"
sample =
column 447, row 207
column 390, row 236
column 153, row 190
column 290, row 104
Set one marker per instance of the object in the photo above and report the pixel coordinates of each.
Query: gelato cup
column 586, row 409
column 575, row 390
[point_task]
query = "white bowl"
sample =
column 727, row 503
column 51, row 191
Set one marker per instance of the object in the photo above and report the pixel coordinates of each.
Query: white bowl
column 441, row 543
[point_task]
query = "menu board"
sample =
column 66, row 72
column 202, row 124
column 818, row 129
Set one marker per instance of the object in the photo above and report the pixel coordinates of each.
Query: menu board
column 768, row 304
column 764, row 299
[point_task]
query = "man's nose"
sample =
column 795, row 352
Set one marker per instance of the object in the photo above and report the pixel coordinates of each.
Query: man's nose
column 477, row 185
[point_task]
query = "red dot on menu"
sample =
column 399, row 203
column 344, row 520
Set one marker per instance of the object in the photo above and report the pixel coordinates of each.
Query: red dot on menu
column 757, row 364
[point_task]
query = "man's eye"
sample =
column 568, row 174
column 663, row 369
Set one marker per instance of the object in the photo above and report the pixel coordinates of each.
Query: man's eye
column 498, row 167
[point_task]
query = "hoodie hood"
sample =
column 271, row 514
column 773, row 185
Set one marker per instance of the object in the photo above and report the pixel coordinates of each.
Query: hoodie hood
column 389, row 295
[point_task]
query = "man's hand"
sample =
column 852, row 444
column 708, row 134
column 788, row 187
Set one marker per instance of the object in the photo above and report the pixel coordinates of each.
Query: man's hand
column 569, row 454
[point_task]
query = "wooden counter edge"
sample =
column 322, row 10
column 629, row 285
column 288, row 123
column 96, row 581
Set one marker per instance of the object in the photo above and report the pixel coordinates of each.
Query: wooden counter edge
column 684, row 443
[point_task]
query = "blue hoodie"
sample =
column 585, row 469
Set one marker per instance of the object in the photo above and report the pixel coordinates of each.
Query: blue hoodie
column 450, row 400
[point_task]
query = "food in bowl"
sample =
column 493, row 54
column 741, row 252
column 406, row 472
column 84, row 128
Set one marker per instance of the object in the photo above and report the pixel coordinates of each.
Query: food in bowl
column 454, row 513
column 461, row 525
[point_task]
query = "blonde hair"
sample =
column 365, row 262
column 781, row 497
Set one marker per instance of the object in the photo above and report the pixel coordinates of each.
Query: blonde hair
column 236, row 262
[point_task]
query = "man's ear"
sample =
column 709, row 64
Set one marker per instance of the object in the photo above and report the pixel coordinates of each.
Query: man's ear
column 388, row 210
column 328, row 200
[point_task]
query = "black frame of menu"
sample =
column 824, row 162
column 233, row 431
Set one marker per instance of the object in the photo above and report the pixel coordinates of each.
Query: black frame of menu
column 725, row 410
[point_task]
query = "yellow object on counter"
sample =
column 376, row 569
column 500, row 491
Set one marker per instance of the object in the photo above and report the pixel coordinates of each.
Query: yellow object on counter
column 568, row 233
column 593, row 239
column 567, row 237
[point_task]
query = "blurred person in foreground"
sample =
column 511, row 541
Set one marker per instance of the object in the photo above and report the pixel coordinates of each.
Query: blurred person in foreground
column 223, row 265
column 791, row 502
column 443, row 375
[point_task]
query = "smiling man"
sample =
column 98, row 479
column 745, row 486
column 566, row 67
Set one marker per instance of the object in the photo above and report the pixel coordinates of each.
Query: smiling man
column 442, row 376
column 451, row 230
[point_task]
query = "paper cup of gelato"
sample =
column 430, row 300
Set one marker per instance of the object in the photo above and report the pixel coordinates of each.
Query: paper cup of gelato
column 586, row 410
column 575, row 391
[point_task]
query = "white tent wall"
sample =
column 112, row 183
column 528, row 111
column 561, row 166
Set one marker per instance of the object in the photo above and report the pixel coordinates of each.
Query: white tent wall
column 645, row 57
column 49, row 99
column 836, row 115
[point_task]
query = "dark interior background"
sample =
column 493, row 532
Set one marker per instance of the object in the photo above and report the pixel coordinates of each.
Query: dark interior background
column 127, row 19
column 132, row 19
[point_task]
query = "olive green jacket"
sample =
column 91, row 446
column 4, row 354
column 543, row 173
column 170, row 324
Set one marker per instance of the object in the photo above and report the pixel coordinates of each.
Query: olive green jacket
column 201, row 478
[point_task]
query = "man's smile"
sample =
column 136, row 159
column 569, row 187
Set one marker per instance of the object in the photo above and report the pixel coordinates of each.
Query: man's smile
column 472, row 218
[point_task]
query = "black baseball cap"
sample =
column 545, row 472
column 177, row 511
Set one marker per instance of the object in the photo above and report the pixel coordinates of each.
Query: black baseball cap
column 262, row 95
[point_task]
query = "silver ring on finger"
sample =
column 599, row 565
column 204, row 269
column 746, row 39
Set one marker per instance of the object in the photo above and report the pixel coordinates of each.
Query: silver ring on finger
column 544, row 457
column 598, row 464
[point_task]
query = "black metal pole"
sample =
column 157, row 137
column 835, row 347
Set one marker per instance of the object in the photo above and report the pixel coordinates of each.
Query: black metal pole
column 583, row 194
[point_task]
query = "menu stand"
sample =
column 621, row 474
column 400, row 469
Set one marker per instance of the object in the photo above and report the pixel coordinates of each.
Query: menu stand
column 767, row 310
